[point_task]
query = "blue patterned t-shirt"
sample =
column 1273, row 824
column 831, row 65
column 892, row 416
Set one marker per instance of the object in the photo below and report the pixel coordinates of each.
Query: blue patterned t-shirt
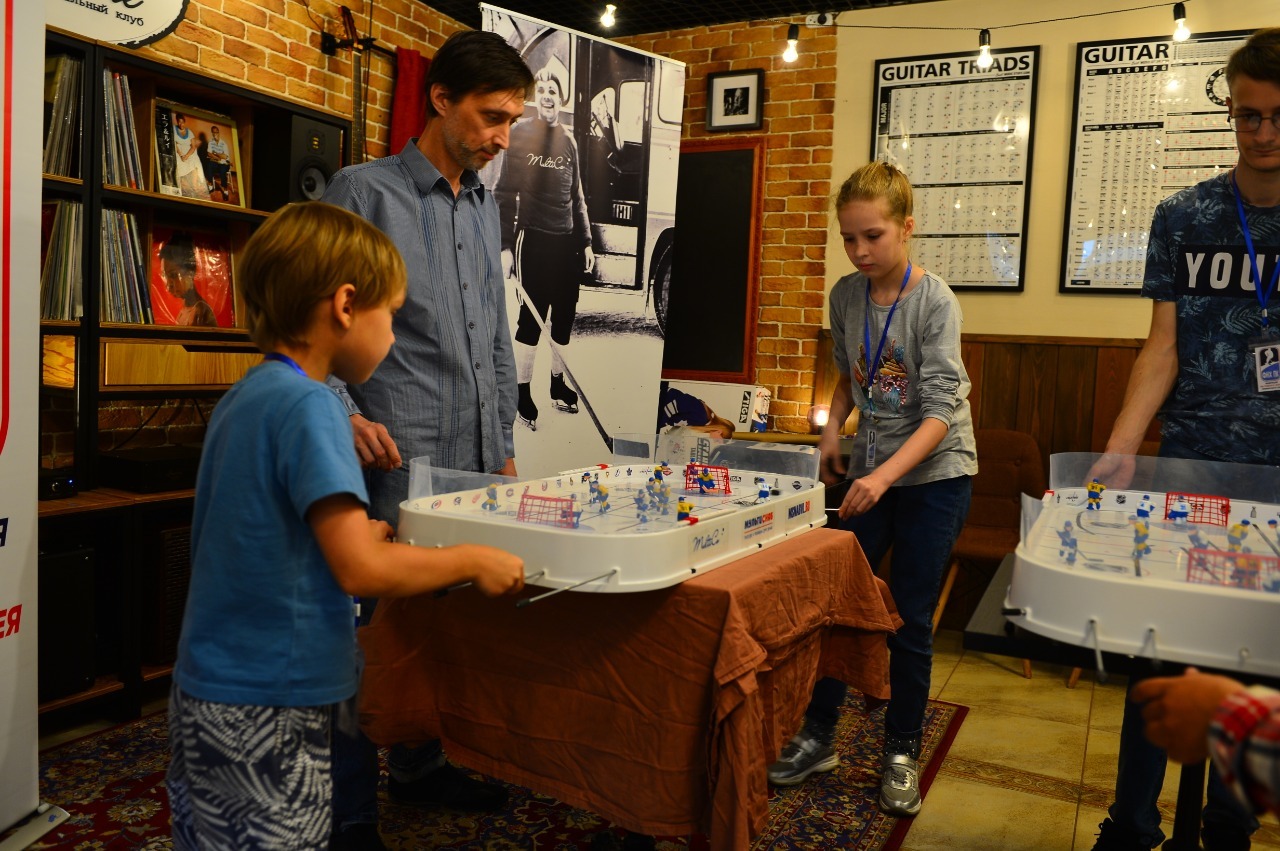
column 1196, row 257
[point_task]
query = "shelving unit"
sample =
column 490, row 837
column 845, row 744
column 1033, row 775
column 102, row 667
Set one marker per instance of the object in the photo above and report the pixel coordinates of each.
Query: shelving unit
column 87, row 361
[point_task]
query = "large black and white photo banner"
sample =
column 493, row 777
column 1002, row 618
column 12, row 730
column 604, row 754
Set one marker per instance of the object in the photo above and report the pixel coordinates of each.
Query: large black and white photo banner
column 586, row 193
column 963, row 136
column 1150, row 118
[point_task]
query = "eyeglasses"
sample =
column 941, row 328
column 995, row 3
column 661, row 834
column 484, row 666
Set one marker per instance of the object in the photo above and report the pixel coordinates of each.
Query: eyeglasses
column 1251, row 122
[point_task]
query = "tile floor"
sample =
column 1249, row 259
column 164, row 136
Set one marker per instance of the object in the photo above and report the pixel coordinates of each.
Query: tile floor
column 1032, row 768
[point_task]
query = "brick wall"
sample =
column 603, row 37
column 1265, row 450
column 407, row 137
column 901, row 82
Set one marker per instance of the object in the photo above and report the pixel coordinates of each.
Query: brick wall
column 274, row 46
column 798, row 118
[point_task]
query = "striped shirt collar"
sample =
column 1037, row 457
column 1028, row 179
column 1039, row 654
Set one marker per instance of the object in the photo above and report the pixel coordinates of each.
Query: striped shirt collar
column 427, row 177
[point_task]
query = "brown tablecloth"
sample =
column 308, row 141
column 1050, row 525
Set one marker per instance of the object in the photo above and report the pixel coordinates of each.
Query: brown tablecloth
column 658, row 710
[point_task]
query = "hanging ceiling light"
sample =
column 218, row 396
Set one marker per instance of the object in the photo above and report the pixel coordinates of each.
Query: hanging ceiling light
column 1180, row 31
column 984, row 50
column 793, row 37
column 607, row 18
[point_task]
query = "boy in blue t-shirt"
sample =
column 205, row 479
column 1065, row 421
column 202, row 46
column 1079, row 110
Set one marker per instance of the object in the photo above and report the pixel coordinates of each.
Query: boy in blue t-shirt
column 281, row 539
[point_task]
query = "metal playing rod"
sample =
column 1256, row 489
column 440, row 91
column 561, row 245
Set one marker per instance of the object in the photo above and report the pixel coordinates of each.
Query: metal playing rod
column 532, row 576
column 528, row 600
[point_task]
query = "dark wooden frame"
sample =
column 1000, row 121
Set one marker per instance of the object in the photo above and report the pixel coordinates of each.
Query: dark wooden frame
column 753, row 79
column 689, row 150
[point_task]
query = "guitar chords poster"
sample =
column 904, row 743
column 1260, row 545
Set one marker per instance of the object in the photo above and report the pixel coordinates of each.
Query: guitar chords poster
column 1150, row 118
column 963, row 136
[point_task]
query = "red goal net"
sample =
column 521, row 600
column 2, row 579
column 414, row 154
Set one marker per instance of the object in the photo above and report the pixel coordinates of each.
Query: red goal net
column 1233, row 570
column 1200, row 508
column 716, row 478
column 548, row 510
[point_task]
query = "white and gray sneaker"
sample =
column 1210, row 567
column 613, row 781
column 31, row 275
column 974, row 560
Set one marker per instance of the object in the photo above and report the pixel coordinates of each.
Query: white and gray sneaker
column 802, row 756
column 900, row 785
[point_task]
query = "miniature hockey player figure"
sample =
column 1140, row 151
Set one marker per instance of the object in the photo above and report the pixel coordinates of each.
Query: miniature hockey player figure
column 572, row 514
column 586, row 477
column 683, row 509
column 1145, row 505
column 1180, row 510
column 603, row 499
column 1140, row 534
column 1067, row 535
column 706, row 481
column 762, row 489
column 652, row 488
column 1236, row 535
column 1198, row 541
column 642, row 507
column 491, row 498
column 664, row 497
column 594, row 487
column 1095, row 495
column 663, row 469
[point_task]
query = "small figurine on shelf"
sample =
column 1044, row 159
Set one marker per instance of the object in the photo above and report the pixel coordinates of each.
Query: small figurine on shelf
column 706, row 481
column 490, row 498
column 762, row 489
column 683, row 509
column 1178, row 513
column 1145, row 505
column 1095, row 495
column 642, row 507
column 1068, row 537
column 1236, row 535
column 602, row 497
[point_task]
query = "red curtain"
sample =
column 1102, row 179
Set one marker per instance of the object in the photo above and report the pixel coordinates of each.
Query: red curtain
column 409, row 98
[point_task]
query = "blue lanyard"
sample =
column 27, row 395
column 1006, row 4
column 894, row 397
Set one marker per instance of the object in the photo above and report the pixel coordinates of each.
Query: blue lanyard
column 1263, row 295
column 287, row 361
column 873, row 367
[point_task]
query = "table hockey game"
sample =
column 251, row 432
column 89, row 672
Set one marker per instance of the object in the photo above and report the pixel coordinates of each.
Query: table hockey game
column 1180, row 576
column 623, row 527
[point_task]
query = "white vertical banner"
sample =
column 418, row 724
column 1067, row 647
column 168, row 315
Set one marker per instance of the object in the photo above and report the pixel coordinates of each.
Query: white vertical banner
column 22, row 42
column 593, row 162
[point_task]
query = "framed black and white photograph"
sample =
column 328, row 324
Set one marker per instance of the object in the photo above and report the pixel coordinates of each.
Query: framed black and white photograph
column 735, row 100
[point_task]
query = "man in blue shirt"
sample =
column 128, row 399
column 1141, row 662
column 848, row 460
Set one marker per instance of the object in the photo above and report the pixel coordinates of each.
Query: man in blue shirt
column 448, row 388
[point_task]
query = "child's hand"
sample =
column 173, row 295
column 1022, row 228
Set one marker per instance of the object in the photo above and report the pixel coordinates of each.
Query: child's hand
column 497, row 572
column 382, row 530
column 1178, row 711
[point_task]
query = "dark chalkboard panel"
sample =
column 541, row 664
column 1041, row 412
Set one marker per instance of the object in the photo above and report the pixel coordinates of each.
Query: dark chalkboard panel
column 711, row 313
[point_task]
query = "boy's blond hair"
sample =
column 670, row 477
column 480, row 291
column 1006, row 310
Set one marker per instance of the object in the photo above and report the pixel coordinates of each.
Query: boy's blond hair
column 878, row 179
column 300, row 256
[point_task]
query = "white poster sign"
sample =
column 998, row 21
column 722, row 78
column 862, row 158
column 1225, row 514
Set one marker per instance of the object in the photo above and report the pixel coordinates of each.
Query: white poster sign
column 131, row 22
column 1150, row 119
column 587, row 191
column 962, row 134
column 22, row 42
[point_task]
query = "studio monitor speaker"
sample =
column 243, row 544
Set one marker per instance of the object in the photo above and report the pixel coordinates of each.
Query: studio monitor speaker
column 294, row 160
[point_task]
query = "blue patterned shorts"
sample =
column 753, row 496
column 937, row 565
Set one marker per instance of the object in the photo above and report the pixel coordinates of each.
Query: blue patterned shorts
column 248, row 777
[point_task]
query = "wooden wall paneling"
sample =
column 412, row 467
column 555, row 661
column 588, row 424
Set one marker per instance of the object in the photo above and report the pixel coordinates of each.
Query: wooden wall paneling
column 1114, row 365
column 1037, row 376
column 1074, row 405
column 1000, row 371
column 971, row 353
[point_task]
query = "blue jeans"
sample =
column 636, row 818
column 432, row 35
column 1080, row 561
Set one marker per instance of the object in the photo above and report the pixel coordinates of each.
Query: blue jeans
column 921, row 523
column 1140, row 771
column 355, row 758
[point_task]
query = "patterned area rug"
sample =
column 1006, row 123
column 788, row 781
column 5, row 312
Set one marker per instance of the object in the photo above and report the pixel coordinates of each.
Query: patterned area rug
column 112, row 783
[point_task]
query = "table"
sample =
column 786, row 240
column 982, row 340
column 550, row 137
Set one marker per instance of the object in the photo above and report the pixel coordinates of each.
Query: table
column 990, row 632
column 657, row 710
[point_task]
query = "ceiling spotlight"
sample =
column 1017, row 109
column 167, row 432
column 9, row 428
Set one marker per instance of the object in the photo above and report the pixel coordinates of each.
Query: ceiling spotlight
column 607, row 18
column 793, row 37
column 984, row 50
column 1180, row 31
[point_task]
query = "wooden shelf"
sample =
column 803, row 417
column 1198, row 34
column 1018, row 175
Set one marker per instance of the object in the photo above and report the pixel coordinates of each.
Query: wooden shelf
column 101, row 686
column 103, row 499
column 155, row 672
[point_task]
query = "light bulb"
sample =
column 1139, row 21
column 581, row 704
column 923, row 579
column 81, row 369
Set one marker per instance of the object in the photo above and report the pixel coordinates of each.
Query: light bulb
column 984, row 50
column 1180, row 31
column 793, row 38
column 607, row 17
